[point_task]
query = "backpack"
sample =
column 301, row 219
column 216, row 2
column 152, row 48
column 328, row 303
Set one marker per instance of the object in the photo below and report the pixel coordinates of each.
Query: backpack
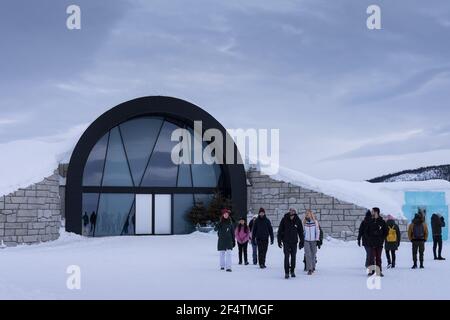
column 418, row 231
column 392, row 235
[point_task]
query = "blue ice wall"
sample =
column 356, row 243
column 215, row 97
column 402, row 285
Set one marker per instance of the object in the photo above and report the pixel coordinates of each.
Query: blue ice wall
column 432, row 202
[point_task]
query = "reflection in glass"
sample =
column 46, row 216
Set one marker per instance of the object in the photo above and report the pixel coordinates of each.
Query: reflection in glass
column 113, row 214
column 139, row 137
column 93, row 169
column 183, row 204
column 161, row 171
column 117, row 172
column 203, row 198
column 89, row 214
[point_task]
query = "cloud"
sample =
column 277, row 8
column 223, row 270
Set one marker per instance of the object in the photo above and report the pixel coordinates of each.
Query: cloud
column 418, row 141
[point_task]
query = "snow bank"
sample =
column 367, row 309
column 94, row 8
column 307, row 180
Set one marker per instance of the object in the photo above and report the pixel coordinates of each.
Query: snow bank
column 25, row 162
column 388, row 196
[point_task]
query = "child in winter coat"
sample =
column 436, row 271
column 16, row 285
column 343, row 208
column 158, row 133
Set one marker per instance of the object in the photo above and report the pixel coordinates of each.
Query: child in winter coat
column 242, row 234
column 392, row 241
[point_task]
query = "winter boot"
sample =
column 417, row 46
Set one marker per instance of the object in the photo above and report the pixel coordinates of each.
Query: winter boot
column 222, row 268
column 228, row 270
column 421, row 265
column 246, row 263
column 414, row 266
column 310, row 272
column 286, row 276
column 292, row 274
column 441, row 258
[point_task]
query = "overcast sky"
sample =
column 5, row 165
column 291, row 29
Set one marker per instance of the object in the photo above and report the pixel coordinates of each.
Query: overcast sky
column 350, row 102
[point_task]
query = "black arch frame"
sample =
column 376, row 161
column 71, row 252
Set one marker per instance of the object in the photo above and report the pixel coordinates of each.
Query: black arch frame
column 234, row 177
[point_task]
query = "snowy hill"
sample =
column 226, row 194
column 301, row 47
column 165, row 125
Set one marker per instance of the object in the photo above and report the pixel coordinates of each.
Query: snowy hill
column 420, row 174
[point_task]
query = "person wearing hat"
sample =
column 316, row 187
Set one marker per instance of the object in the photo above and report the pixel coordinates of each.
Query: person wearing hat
column 262, row 231
column 242, row 235
column 290, row 232
column 254, row 246
column 226, row 242
column 392, row 241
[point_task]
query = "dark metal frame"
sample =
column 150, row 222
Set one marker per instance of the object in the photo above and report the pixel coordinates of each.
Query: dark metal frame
column 234, row 178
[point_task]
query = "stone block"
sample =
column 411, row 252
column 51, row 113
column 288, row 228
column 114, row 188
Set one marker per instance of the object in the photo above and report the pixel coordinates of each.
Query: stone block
column 30, row 239
column 21, row 232
column 11, row 218
column 27, row 213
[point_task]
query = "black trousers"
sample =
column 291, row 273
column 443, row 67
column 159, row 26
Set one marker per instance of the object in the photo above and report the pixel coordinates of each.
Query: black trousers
column 390, row 256
column 262, row 251
column 243, row 250
column 376, row 257
column 437, row 244
column 290, row 256
column 418, row 246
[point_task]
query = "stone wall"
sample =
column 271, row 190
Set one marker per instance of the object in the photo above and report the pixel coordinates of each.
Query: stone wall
column 338, row 219
column 32, row 214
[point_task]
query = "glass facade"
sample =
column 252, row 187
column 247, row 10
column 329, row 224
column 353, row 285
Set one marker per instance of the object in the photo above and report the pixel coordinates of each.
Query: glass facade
column 135, row 157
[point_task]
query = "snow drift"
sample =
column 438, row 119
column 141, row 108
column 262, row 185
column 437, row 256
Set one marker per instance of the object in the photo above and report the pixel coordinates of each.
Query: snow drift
column 25, row 162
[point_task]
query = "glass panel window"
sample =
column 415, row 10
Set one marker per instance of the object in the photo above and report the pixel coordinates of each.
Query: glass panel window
column 89, row 214
column 161, row 171
column 117, row 172
column 93, row 169
column 139, row 137
column 184, row 176
column 113, row 214
column 183, row 204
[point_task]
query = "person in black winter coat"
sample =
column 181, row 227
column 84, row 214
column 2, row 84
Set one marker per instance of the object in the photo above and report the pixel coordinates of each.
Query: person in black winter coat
column 290, row 232
column 437, row 223
column 363, row 236
column 225, row 239
column 261, row 232
column 376, row 233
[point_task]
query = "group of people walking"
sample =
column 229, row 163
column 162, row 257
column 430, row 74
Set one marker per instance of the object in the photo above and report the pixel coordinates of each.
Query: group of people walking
column 292, row 233
column 376, row 233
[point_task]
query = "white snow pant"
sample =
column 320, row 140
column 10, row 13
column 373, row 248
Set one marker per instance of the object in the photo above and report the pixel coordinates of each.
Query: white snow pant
column 310, row 255
column 225, row 259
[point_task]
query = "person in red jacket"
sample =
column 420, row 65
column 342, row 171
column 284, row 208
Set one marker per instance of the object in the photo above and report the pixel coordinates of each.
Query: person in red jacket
column 242, row 235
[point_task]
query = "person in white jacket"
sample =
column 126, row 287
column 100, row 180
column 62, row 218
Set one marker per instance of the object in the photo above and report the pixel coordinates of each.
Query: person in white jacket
column 312, row 236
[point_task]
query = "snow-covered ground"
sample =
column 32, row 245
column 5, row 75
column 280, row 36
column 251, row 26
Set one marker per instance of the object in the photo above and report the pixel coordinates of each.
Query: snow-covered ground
column 186, row 267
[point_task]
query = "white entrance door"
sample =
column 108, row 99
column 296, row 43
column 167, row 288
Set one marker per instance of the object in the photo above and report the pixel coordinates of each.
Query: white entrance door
column 163, row 214
column 144, row 219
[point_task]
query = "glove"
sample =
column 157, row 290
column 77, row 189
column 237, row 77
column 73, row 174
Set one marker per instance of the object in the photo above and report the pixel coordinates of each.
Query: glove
column 271, row 242
column 300, row 246
column 359, row 243
column 280, row 245
column 318, row 244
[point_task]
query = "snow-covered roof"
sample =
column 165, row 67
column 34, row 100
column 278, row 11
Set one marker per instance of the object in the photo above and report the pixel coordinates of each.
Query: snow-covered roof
column 28, row 161
column 388, row 196
column 25, row 162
